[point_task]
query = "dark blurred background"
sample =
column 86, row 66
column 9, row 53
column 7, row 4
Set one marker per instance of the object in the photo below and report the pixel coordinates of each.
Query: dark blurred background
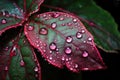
column 112, row 60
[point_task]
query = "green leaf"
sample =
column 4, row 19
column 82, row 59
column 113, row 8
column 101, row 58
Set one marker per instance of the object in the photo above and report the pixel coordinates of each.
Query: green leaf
column 63, row 40
column 18, row 61
column 14, row 12
column 106, row 32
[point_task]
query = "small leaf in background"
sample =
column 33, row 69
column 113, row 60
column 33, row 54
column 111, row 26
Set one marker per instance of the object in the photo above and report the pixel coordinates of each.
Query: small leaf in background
column 18, row 61
column 14, row 12
column 63, row 40
column 106, row 33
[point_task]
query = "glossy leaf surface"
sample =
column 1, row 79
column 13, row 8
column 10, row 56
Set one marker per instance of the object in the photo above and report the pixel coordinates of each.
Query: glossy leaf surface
column 63, row 40
column 106, row 32
column 18, row 61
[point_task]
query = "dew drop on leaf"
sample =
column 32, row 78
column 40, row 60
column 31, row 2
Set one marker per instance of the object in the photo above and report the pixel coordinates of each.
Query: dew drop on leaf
column 30, row 28
column 89, row 39
column 69, row 39
column 68, row 50
column 22, row 63
column 54, row 25
column 85, row 54
column 78, row 35
column 53, row 46
column 43, row 31
column 36, row 69
column 76, row 65
column 3, row 21
column 74, row 20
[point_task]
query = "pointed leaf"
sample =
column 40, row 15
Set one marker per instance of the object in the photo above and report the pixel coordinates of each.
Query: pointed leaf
column 18, row 62
column 63, row 40
column 106, row 32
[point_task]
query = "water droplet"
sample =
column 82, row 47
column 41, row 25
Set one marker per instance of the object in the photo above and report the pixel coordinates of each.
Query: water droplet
column 22, row 63
column 76, row 65
column 43, row 31
column 82, row 31
column 69, row 39
column 85, row 54
column 89, row 39
column 6, row 68
column 74, row 20
column 68, row 50
column 50, row 58
column 61, row 19
column 69, row 24
column 36, row 69
column 78, row 35
column 3, row 21
column 53, row 46
column 54, row 25
column 30, row 28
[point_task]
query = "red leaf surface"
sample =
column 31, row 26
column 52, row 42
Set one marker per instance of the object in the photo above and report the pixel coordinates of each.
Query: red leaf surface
column 63, row 40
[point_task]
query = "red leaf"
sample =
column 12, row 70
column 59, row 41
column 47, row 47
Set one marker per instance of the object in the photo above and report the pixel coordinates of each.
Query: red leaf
column 63, row 40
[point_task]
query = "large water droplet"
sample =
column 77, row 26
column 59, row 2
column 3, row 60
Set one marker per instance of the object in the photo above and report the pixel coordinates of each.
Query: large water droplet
column 36, row 69
column 53, row 46
column 3, row 21
column 85, row 54
column 43, row 31
column 54, row 25
column 69, row 39
column 68, row 50
column 30, row 28
column 78, row 35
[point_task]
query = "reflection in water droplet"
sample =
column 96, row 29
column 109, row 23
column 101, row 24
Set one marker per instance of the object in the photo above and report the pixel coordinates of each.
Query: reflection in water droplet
column 85, row 54
column 36, row 69
column 30, row 28
column 53, row 46
column 43, row 31
column 78, row 35
column 3, row 21
column 69, row 39
column 68, row 50
column 54, row 25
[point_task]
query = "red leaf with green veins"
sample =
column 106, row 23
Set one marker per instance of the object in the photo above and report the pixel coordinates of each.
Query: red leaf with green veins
column 63, row 40
column 18, row 61
column 14, row 12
